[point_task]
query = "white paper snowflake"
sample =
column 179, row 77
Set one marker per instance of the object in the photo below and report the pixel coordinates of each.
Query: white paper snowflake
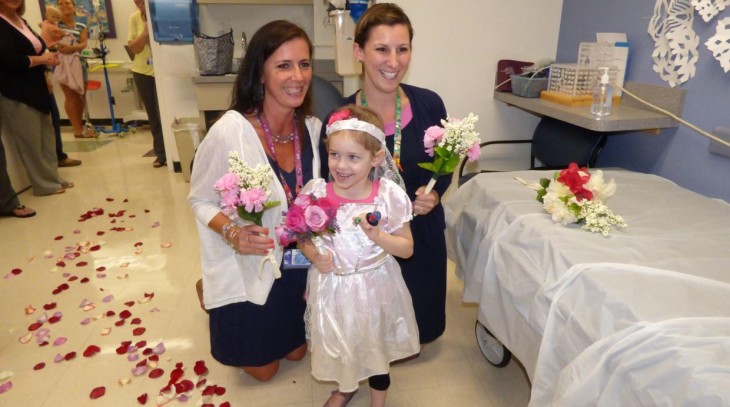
column 675, row 53
column 719, row 44
column 708, row 9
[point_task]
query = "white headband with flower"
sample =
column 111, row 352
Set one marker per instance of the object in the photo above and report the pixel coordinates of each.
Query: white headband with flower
column 342, row 121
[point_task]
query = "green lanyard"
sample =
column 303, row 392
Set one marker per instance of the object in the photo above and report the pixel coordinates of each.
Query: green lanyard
column 397, row 133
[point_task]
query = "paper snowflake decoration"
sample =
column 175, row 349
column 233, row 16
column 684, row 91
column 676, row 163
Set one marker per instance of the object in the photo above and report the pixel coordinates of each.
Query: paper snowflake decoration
column 708, row 9
column 675, row 53
column 719, row 44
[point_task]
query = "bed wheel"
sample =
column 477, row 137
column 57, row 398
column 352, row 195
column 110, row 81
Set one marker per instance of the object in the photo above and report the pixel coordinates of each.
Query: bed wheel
column 492, row 349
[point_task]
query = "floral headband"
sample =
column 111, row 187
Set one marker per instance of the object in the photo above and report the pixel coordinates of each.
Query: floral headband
column 341, row 121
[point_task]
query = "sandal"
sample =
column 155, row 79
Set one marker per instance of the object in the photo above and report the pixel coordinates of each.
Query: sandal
column 158, row 163
column 21, row 211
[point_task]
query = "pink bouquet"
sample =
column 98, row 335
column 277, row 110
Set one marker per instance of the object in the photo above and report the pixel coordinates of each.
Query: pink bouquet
column 309, row 218
column 243, row 189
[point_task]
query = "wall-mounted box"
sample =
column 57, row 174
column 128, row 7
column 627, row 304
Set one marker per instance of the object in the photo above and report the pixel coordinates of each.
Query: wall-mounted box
column 173, row 21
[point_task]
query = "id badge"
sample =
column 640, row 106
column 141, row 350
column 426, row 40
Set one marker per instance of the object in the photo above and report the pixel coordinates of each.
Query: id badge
column 294, row 259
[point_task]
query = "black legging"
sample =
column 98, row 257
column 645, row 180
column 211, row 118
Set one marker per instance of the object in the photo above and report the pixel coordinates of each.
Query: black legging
column 379, row 382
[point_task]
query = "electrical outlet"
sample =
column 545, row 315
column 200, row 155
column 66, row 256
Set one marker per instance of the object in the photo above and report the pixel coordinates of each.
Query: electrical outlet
column 717, row 148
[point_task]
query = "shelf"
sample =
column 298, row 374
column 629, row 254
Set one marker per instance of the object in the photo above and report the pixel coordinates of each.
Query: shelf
column 262, row 2
column 629, row 115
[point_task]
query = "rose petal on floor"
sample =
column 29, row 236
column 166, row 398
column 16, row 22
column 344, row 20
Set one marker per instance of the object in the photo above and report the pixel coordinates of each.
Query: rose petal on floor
column 97, row 392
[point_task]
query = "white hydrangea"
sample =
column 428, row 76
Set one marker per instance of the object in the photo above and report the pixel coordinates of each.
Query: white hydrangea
column 459, row 135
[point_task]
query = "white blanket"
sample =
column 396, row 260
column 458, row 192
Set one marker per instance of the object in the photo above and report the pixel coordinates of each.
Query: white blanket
column 514, row 261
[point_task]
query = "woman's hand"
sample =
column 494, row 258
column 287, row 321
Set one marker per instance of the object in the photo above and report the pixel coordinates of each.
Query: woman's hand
column 424, row 203
column 251, row 239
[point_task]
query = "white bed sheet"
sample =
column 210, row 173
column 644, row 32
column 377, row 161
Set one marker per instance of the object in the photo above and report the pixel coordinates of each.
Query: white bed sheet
column 514, row 260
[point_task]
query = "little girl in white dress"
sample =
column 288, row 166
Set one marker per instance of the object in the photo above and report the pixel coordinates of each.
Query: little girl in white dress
column 359, row 312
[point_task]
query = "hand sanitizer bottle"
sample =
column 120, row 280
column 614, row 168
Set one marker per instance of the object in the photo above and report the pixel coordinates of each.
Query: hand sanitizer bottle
column 602, row 96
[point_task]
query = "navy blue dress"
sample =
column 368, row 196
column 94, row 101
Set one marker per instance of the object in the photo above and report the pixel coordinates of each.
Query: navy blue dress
column 247, row 334
column 425, row 271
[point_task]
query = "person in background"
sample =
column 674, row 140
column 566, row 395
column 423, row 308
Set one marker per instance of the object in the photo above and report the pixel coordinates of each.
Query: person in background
column 51, row 34
column 144, row 78
column 9, row 203
column 359, row 312
column 74, row 100
column 383, row 43
column 257, row 321
column 24, row 99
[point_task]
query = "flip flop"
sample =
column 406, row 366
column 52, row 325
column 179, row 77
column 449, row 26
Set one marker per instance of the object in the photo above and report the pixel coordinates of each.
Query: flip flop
column 21, row 211
column 69, row 162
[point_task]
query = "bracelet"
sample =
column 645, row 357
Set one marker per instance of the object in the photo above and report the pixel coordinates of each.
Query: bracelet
column 226, row 228
column 232, row 239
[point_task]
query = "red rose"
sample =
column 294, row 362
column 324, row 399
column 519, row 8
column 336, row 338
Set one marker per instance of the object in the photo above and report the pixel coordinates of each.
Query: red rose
column 575, row 179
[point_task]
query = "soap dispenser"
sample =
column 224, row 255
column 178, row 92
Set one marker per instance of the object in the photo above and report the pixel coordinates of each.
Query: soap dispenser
column 602, row 96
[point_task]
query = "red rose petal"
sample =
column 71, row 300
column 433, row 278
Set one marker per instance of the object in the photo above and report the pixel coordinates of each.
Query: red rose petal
column 155, row 373
column 176, row 375
column 110, row 199
column 54, row 319
column 225, row 404
column 200, row 383
column 200, row 368
column 110, row 313
column 141, row 363
column 147, row 351
column 16, row 271
column 58, row 238
column 100, row 268
column 94, row 247
column 146, row 211
column 142, row 399
column 39, row 366
column 140, row 344
column 219, row 391
column 153, row 357
column 44, row 343
column 81, row 264
column 122, row 349
column 49, row 306
column 149, row 295
column 138, row 244
column 73, row 278
column 119, row 323
column 84, row 280
column 138, row 331
column 136, row 321
column 125, row 314
column 63, row 286
column 129, row 303
column 97, row 392
column 69, row 356
column 91, row 350
column 34, row 326
column 100, row 233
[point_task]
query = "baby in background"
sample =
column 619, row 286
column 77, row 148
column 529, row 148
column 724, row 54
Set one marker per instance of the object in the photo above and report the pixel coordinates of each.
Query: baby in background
column 50, row 31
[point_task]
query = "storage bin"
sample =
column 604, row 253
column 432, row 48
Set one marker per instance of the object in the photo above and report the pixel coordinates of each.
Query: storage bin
column 188, row 135
column 527, row 86
column 572, row 84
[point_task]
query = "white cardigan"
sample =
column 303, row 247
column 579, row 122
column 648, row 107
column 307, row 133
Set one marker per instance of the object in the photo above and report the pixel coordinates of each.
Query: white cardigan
column 229, row 277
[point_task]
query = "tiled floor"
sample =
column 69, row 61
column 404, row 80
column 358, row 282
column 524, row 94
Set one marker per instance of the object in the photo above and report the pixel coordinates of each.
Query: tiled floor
column 141, row 256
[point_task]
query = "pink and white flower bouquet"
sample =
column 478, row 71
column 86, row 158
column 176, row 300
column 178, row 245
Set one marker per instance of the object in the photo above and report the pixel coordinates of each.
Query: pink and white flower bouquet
column 244, row 189
column 309, row 218
column 451, row 142
column 575, row 195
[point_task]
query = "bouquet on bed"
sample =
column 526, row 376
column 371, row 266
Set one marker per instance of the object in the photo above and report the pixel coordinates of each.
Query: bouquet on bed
column 309, row 218
column 456, row 139
column 243, row 189
column 575, row 195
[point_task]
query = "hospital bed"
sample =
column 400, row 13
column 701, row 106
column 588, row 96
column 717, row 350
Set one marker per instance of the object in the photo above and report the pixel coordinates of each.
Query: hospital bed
column 641, row 317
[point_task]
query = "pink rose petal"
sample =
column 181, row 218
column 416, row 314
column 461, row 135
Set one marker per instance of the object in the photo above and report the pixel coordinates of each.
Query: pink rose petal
column 59, row 341
column 58, row 358
column 6, row 386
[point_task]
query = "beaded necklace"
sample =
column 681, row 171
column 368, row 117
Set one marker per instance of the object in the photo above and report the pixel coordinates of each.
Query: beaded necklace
column 297, row 156
column 397, row 133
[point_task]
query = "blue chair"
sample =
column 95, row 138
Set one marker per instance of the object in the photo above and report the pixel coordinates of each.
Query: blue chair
column 555, row 144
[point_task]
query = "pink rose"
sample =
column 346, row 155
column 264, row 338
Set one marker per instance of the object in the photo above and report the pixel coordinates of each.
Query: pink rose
column 329, row 206
column 473, row 152
column 295, row 220
column 316, row 218
column 253, row 199
column 433, row 136
column 340, row 115
column 226, row 183
column 284, row 236
column 304, row 200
